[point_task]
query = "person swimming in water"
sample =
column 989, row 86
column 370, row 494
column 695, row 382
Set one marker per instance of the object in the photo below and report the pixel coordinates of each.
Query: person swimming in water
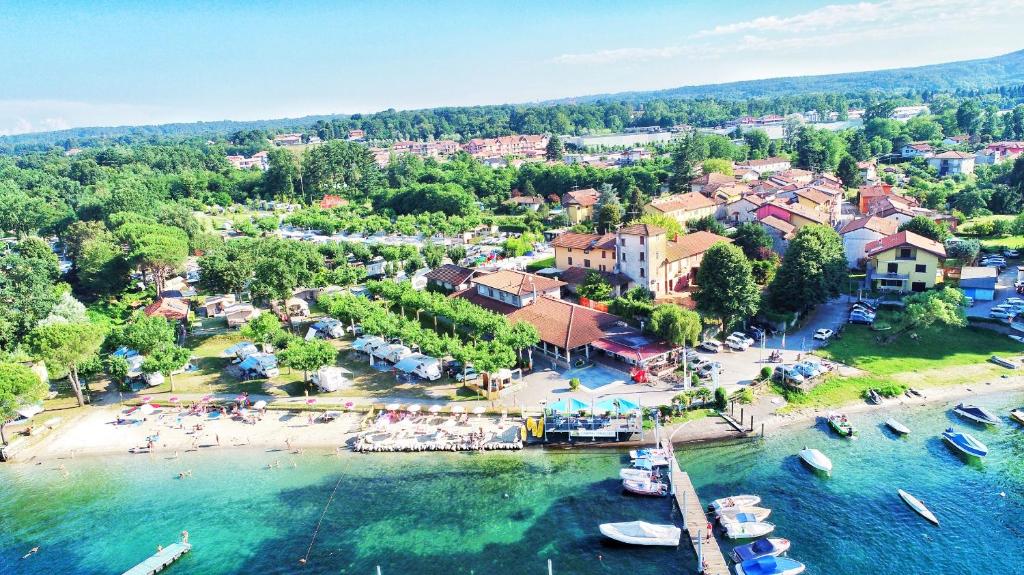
column 30, row 553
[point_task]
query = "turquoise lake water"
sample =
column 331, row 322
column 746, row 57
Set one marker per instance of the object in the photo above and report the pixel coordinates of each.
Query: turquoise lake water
column 509, row 513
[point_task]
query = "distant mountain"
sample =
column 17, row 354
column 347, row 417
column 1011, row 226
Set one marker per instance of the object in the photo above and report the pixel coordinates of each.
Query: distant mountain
column 1004, row 70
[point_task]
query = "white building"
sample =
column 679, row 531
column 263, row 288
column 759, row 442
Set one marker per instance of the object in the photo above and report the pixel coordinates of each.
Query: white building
column 857, row 234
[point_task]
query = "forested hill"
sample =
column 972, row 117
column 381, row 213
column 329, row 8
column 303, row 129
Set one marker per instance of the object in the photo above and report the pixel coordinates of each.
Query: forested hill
column 951, row 76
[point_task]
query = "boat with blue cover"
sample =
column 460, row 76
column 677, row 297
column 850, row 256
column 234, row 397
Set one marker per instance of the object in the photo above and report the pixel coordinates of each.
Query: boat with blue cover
column 770, row 566
column 964, row 443
column 977, row 414
column 770, row 547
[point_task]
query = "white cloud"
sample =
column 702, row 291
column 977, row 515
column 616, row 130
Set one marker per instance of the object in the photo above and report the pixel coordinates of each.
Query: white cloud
column 24, row 116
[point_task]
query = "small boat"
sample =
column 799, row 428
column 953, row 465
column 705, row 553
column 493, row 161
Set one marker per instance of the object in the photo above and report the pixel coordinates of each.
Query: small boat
column 635, row 474
column 841, row 425
column 1018, row 415
column 977, row 414
column 644, row 464
column 908, row 394
column 771, row 547
column 748, row 530
column 915, row 392
column 642, row 533
column 734, row 501
column 897, row 426
column 817, row 460
column 964, row 443
column 647, row 453
column 653, row 460
column 742, row 514
column 917, row 506
column 873, row 397
column 645, row 487
column 770, row 566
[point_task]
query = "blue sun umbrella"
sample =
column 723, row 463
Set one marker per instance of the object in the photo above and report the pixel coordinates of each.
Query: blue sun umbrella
column 624, row 405
column 568, row 405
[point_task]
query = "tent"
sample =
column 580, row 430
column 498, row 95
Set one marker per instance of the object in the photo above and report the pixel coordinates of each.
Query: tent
column 263, row 364
column 608, row 404
column 568, row 405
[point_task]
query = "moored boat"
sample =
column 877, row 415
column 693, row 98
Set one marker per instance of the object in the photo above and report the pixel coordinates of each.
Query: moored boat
column 748, row 530
column 642, row 533
column 770, row 547
column 917, row 506
column 977, row 414
column 817, row 460
column 965, row 443
column 743, row 514
column 897, row 426
column 635, row 474
column 647, row 452
column 1018, row 415
column 653, row 460
column 645, row 487
column 841, row 425
column 734, row 501
column 770, row 566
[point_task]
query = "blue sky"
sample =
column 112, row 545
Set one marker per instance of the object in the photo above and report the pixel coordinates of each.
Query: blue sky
column 91, row 63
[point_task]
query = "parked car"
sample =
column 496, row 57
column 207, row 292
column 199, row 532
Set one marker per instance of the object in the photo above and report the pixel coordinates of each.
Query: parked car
column 823, row 334
column 691, row 356
column 711, row 345
column 742, row 337
column 1011, row 253
column 809, row 369
column 469, row 375
column 710, row 368
column 863, row 308
column 863, row 305
column 861, row 318
column 787, row 373
column 756, row 333
column 737, row 343
column 1000, row 314
column 1014, row 301
column 453, row 367
column 968, row 301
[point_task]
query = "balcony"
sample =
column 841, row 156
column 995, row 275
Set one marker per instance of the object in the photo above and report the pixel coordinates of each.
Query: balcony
column 877, row 275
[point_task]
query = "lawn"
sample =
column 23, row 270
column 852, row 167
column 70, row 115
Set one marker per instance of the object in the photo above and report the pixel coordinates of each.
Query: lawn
column 1005, row 242
column 541, row 264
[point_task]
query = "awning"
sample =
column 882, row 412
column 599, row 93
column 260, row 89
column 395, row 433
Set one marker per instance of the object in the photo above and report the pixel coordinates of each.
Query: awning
column 642, row 352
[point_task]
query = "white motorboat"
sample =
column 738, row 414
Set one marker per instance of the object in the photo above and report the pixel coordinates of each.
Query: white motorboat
column 748, row 530
column 642, row 533
column 897, row 426
column 645, row 487
column 1018, row 415
column 647, row 452
column 635, row 474
column 770, row 566
column 817, row 460
column 917, row 506
column 977, row 414
column 734, row 501
column 653, row 459
column 743, row 514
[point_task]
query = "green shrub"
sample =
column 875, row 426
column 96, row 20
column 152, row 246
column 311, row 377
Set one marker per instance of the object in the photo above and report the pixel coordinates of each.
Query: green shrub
column 721, row 398
column 891, row 389
column 766, row 372
column 574, row 383
column 745, row 395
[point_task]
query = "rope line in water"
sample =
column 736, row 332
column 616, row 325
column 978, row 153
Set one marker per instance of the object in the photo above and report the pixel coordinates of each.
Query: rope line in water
column 321, row 520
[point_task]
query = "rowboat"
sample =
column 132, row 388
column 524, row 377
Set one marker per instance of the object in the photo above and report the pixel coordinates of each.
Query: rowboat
column 770, row 566
column 642, row 533
column 771, row 547
column 748, row 530
column 977, row 414
column 635, row 474
column 1018, row 415
column 964, row 443
column 645, row 487
column 917, row 506
column 841, row 425
column 817, row 460
column 897, row 426
column 742, row 514
column 734, row 501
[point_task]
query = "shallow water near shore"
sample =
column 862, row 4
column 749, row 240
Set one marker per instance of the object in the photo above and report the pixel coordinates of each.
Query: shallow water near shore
column 510, row 512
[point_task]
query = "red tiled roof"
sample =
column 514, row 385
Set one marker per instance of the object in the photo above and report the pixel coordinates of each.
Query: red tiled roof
column 450, row 274
column 522, row 200
column 783, row 226
column 814, row 195
column 585, row 241
column 585, row 197
column 764, row 162
column 688, row 202
column 518, row 283
column 485, row 302
column 712, row 178
column 692, row 244
column 170, row 308
column 641, row 230
column 564, row 324
column 905, row 238
column 801, row 211
column 873, row 223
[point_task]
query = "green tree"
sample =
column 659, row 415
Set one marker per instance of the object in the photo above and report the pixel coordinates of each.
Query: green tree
column 166, row 358
column 706, row 224
column 717, row 166
column 264, row 328
column 556, row 149
column 145, row 333
column 691, row 150
column 848, row 172
column 64, row 347
column 964, row 250
column 308, row 355
column 754, row 240
column 812, row 272
column 667, row 223
column 522, row 336
column 282, row 172
column 155, row 248
column 340, row 167
column 594, row 287
column 969, row 117
column 676, row 325
column 19, row 386
column 927, row 227
column 26, row 296
column 725, row 285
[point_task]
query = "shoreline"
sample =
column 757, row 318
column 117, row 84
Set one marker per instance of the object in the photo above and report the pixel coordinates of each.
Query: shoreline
column 287, row 432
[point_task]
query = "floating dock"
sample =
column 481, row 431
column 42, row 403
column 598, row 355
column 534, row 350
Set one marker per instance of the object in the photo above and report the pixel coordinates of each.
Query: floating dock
column 695, row 520
column 160, row 560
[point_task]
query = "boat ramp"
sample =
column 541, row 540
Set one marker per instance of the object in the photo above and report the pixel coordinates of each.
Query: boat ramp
column 695, row 520
column 160, row 560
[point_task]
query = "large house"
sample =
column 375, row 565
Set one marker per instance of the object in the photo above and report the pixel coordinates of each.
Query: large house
column 506, row 290
column 917, row 150
column 450, row 277
column 998, row 152
column 766, row 165
column 952, row 163
column 588, row 251
column 258, row 160
column 904, row 262
column 860, row 232
column 522, row 145
column 682, row 207
column 708, row 183
column 579, row 205
column 793, row 213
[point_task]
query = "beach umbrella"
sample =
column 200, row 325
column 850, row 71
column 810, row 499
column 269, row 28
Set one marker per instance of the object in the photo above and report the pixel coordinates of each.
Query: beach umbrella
column 568, row 405
column 239, row 398
column 458, row 409
column 349, row 404
column 392, row 406
column 146, row 409
column 259, row 404
column 413, row 408
column 207, row 397
column 311, row 401
column 147, row 399
column 214, row 415
column 173, row 399
column 435, row 408
column 478, row 410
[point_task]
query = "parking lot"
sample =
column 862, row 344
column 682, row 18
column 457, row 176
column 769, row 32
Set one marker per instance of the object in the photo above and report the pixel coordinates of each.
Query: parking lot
column 1004, row 290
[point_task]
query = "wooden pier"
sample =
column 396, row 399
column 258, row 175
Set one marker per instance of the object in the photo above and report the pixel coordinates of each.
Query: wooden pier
column 160, row 560
column 695, row 520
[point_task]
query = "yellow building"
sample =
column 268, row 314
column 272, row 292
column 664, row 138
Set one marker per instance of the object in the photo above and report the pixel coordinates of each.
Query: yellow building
column 905, row 262
column 588, row 251
column 579, row 205
column 682, row 207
